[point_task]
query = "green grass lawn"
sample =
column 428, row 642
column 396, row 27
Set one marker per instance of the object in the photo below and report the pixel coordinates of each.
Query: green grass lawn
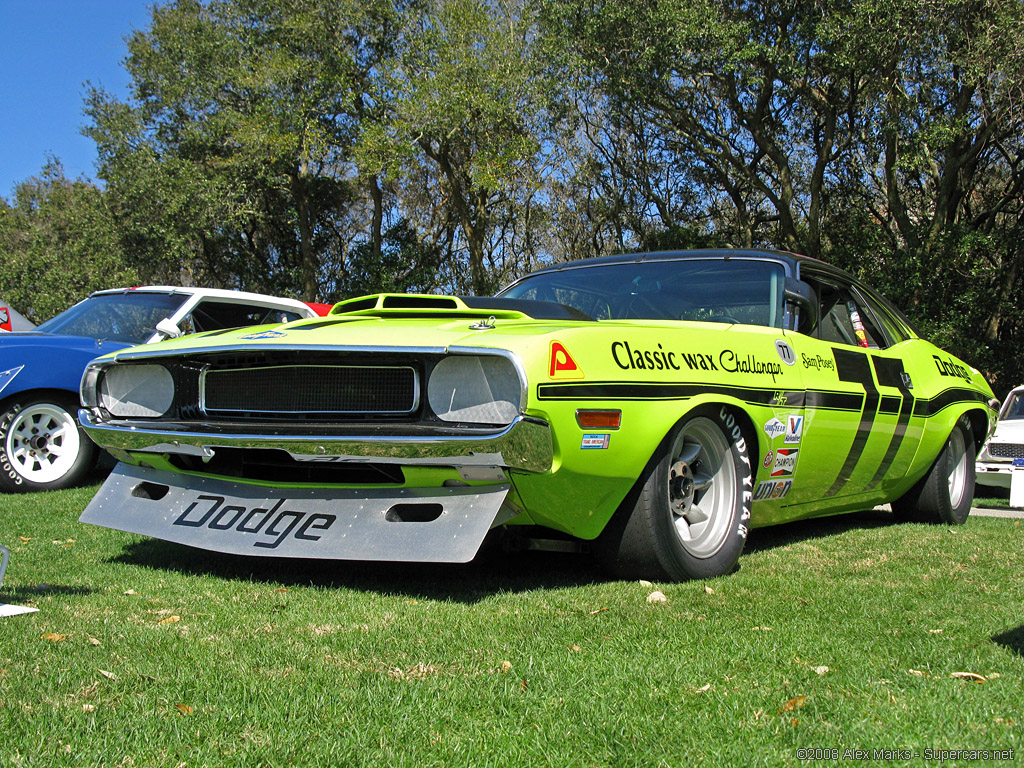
column 835, row 634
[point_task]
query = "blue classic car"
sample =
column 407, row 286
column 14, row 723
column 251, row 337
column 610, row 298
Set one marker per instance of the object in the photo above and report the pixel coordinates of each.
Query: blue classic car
column 42, row 446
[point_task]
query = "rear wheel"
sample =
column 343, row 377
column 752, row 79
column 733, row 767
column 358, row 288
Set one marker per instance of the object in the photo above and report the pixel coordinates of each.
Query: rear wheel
column 41, row 446
column 945, row 494
column 687, row 518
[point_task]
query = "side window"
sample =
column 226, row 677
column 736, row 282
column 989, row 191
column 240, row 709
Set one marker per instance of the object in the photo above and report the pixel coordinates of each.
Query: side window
column 217, row 315
column 845, row 318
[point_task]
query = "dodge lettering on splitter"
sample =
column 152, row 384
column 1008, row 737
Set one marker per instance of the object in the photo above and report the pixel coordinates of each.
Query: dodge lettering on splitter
column 654, row 407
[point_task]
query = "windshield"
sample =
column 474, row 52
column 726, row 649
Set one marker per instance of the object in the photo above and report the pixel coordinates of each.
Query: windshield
column 127, row 317
column 1013, row 410
column 713, row 290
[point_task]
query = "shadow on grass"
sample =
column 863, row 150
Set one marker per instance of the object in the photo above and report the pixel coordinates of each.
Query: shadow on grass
column 20, row 594
column 492, row 572
column 764, row 539
column 1012, row 640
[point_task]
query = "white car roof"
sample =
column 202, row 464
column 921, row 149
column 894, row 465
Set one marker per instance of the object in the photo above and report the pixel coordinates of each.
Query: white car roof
column 219, row 293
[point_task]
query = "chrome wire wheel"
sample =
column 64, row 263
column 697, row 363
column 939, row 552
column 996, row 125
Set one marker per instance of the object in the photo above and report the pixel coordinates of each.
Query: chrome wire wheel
column 702, row 488
column 43, row 443
column 956, row 480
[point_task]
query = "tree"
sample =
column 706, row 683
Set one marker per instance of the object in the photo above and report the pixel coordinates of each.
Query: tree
column 233, row 156
column 58, row 243
column 467, row 111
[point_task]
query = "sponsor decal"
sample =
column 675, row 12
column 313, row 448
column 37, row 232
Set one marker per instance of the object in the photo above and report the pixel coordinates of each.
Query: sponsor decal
column 561, row 365
column 772, row 489
column 785, row 462
column 599, row 442
column 269, row 526
column 817, row 362
column 6, row 377
column 786, row 353
column 733, row 363
column 265, row 335
column 949, row 368
column 774, row 428
column 5, row 319
column 794, row 429
column 628, row 358
column 768, row 459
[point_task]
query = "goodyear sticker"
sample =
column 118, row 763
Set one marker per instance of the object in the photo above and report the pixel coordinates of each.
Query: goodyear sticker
column 265, row 335
column 561, row 365
column 774, row 428
column 599, row 442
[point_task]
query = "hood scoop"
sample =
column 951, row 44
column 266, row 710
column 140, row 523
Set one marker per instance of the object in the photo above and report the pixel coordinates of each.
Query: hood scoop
column 415, row 305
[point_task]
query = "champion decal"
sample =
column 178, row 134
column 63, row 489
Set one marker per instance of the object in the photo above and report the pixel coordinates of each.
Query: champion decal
column 785, row 462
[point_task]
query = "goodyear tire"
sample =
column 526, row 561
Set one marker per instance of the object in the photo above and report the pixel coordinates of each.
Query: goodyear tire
column 945, row 494
column 42, row 447
column 687, row 517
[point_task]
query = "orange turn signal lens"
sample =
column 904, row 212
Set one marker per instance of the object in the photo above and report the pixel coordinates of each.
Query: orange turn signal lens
column 593, row 418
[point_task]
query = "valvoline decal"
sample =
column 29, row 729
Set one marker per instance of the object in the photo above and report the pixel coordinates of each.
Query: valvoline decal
column 561, row 365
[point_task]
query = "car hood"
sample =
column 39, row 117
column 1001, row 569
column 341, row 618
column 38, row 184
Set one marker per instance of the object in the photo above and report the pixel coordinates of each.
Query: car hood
column 396, row 321
column 14, row 343
column 1009, row 431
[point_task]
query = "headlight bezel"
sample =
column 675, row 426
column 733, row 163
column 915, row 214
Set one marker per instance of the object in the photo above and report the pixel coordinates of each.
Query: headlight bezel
column 128, row 390
column 515, row 390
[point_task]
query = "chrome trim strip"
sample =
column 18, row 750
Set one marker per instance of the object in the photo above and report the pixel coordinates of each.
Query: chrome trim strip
column 206, row 373
column 139, row 353
column 526, row 444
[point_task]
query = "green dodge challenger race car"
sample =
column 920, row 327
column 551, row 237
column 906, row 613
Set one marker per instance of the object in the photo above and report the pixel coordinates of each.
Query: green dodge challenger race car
column 657, row 405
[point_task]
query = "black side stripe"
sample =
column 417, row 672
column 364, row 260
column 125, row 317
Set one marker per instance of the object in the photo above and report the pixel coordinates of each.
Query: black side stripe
column 854, row 366
column 945, row 399
column 632, row 390
column 890, row 373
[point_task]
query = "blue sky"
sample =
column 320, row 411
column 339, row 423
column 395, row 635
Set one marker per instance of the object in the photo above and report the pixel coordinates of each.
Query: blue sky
column 49, row 49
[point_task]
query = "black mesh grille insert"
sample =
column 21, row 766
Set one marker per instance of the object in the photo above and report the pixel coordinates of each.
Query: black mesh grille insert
column 321, row 389
column 1006, row 450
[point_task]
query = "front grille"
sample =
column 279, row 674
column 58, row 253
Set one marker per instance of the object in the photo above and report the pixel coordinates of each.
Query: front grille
column 327, row 390
column 276, row 466
column 1006, row 450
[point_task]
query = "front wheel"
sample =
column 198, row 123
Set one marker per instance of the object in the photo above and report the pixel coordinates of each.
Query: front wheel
column 945, row 494
column 42, row 447
column 688, row 517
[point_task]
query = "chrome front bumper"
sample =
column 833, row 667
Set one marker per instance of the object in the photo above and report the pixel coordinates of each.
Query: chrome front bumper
column 525, row 444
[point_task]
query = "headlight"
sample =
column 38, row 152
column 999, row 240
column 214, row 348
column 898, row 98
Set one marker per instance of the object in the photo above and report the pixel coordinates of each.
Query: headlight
column 135, row 390
column 87, row 390
column 480, row 389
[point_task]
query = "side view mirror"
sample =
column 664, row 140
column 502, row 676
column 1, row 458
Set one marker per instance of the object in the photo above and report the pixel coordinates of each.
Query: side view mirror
column 802, row 296
column 168, row 329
